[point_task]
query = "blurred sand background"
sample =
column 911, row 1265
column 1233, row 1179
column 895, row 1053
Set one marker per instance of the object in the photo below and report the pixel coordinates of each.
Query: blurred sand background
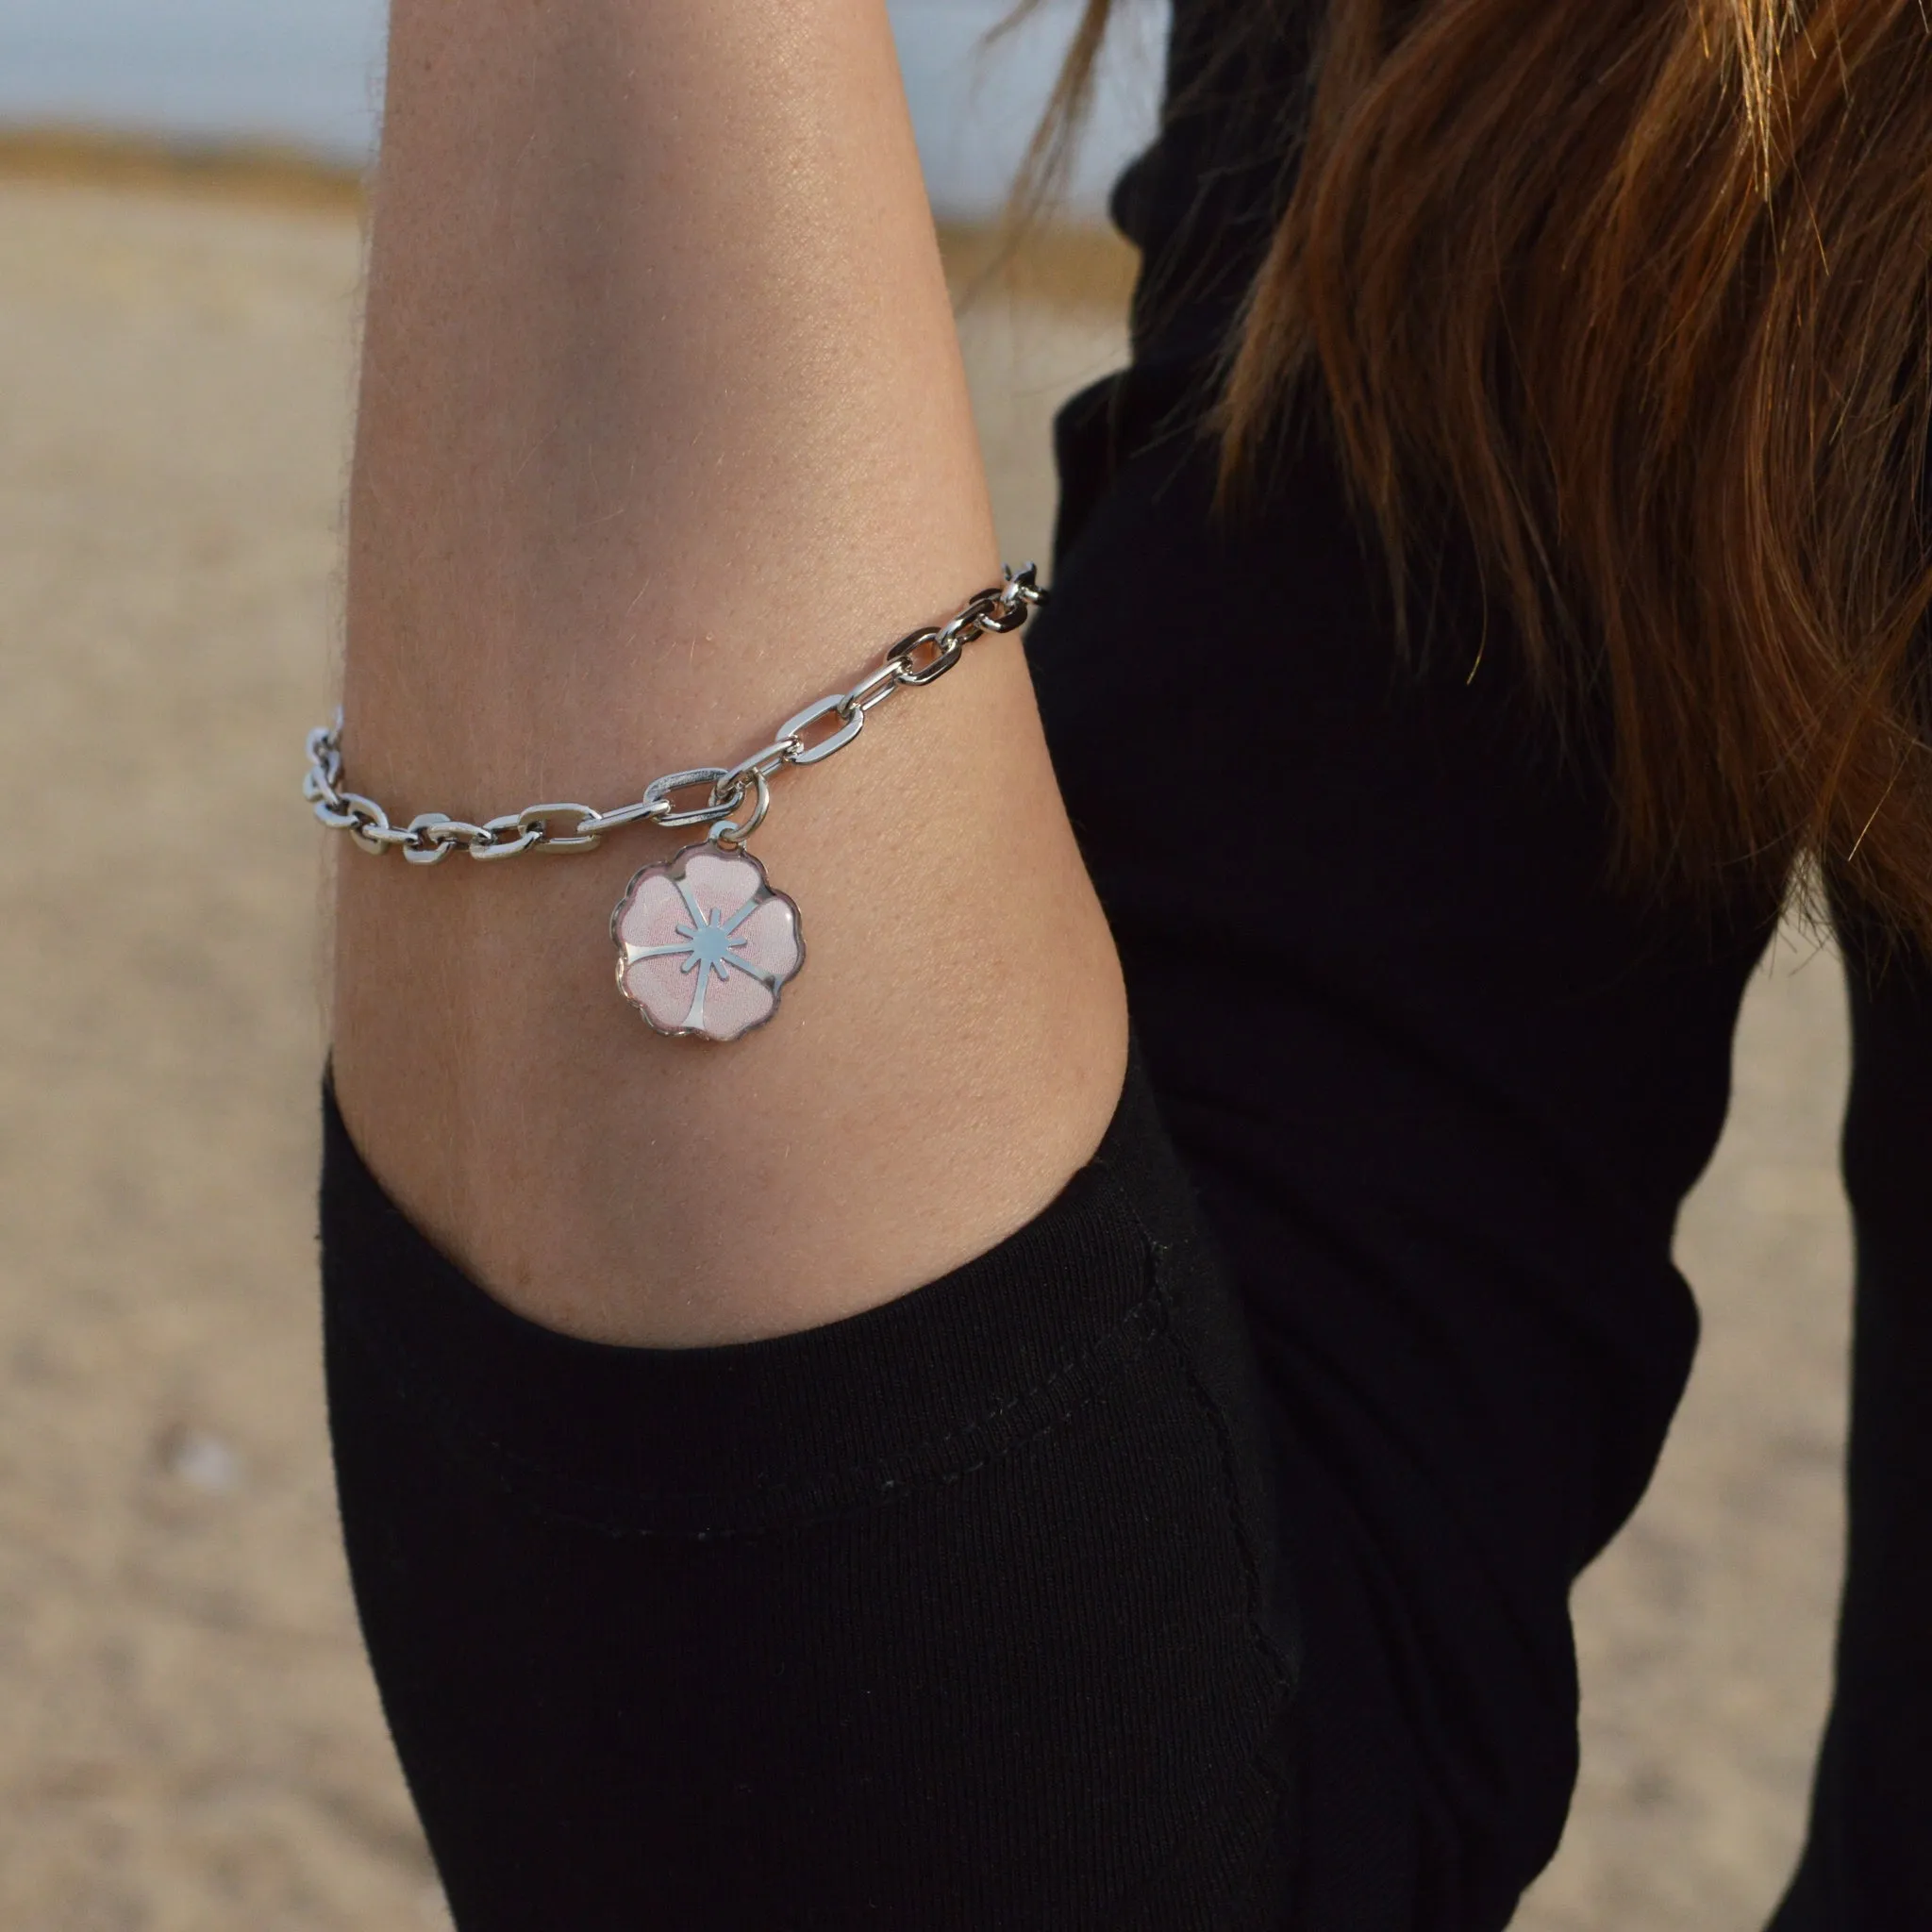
column 191, row 1740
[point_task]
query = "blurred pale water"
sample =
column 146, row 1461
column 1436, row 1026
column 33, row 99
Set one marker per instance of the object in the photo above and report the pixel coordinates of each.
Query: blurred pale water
column 308, row 73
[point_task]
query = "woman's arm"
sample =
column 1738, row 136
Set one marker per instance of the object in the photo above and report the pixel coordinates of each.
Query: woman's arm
column 664, row 432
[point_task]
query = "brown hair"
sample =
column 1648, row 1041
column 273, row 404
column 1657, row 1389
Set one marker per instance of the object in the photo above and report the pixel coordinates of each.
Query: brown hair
column 1638, row 290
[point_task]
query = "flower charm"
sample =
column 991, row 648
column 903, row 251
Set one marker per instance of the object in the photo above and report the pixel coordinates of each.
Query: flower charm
column 704, row 944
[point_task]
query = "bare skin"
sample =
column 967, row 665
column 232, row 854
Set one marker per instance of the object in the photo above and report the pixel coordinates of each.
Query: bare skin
column 664, row 432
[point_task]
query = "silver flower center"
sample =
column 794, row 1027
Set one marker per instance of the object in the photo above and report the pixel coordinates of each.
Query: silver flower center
column 712, row 942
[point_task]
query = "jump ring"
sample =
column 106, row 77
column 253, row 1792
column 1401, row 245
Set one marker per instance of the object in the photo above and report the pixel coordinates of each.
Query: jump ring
column 728, row 831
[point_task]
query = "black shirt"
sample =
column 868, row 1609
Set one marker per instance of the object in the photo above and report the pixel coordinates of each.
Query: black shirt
column 1441, row 1088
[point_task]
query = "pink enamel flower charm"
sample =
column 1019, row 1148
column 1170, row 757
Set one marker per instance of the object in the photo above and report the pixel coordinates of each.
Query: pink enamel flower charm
column 703, row 944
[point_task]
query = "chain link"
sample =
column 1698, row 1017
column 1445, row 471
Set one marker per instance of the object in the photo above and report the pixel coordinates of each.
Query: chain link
column 809, row 736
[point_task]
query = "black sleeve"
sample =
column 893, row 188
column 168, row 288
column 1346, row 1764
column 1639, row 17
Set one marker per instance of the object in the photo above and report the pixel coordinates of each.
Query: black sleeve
column 1868, row 1864
column 960, row 1613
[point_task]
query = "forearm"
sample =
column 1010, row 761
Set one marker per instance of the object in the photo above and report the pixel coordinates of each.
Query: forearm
column 659, row 352
column 663, row 431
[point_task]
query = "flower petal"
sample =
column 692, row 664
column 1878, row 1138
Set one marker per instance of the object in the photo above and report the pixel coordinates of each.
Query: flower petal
column 663, row 990
column 720, row 882
column 656, row 911
column 734, row 1005
column 771, row 939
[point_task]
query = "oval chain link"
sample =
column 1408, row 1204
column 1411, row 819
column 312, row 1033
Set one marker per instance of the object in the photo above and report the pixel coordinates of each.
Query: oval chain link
column 921, row 657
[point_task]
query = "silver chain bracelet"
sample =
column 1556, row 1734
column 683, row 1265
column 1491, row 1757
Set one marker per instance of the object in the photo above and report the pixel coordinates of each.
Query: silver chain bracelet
column 705, row 944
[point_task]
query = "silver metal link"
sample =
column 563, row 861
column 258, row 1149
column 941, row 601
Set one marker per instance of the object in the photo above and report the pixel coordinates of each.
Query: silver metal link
column 1015, row 599
column 795, row 727
column 920, row 657
column 945, row 657
column 760, row 764
column 333, row 816
column 874, row 689
column 384, row 836
column 659, row 789
column 645, row 810
column 982, row 613
column 365, row 816
column 537, row 818
column 450, row 833
column 508, row 837
column 428, row 849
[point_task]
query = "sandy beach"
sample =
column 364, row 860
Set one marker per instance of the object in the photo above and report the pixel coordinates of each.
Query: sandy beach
column 192, row 1742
